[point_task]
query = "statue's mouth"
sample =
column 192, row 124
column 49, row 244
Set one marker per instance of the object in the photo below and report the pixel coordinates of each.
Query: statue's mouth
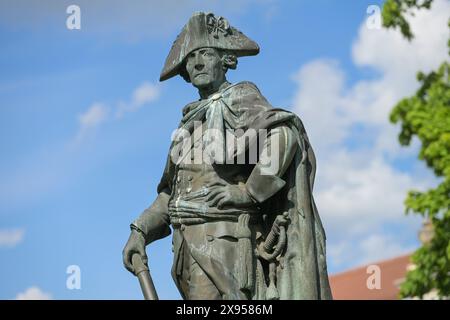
column 200, row 74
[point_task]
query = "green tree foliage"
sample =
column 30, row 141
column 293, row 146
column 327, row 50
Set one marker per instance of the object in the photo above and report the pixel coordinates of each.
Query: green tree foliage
column 394, row 12
column 426, row 115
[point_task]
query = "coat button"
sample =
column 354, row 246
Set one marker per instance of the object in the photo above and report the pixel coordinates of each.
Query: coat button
column 209, row 238
column 178, row 179
column 183, row 227
column 190, row 177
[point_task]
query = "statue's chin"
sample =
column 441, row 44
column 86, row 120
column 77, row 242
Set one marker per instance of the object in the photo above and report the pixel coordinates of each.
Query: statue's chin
column 202, row 82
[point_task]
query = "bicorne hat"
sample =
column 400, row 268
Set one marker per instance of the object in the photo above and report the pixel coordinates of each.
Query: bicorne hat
column 206, row 30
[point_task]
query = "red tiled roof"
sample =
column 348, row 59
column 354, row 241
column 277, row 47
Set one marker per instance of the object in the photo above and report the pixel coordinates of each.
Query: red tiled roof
column 352, row 284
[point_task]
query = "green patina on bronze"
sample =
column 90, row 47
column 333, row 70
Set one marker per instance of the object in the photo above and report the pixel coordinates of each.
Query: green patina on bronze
column 239, row 232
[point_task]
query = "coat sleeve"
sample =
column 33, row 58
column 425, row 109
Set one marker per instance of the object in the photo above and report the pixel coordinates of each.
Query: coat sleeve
column 277, row 153
column 154, row 222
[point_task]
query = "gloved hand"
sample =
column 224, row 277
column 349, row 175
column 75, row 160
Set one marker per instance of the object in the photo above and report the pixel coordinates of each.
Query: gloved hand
column 135, row 244
column 223, row 194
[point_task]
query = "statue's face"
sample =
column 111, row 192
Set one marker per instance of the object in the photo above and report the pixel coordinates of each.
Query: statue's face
column 205, row 68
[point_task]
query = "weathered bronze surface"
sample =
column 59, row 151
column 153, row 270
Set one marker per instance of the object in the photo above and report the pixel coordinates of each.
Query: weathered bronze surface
column 245, row 225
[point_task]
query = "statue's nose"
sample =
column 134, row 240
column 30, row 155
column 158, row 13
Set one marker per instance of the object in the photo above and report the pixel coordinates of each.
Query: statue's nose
column 199, row 67
column 199, row 64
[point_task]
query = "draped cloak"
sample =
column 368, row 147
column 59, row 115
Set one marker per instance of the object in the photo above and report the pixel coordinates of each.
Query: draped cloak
column 301, row 270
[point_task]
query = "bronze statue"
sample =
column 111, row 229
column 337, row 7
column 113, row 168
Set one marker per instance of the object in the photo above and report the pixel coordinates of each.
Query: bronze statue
column 237, row 186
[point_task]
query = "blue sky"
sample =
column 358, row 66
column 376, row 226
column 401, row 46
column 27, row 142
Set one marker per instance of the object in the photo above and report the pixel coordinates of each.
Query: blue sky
column 85, row 129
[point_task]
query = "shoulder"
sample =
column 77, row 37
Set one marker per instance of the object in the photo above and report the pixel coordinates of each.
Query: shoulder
column 246, row 85
column 245, row 94
column 190, row 106
column 244, row 88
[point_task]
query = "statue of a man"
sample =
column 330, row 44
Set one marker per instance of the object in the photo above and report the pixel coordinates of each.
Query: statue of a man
column 237, row 186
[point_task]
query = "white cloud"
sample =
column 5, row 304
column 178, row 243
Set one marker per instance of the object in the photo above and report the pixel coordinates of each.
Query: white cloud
column 399, row 60
column 389, row 52
column 359, row 191
column 93, row 117
column 53, row 167
column 145, row 93
column 98, row 113
column 373, row 248
column 33, row 293
column 379, row 246
column 318, row 102
column 11, row 237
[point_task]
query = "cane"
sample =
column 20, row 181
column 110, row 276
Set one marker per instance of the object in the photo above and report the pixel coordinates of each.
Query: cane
column 145, row 280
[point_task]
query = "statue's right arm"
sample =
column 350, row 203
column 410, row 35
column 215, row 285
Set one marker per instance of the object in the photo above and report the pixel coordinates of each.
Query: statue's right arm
column 154, row 222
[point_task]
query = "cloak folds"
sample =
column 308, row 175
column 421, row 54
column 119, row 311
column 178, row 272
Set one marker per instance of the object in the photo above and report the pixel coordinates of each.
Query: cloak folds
column 301, row 271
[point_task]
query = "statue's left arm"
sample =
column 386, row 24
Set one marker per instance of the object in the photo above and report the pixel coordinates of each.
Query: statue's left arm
column 277, row 153
column 265, row 179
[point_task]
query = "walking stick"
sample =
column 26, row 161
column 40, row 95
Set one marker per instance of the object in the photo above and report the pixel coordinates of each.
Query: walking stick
column 145, row 280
